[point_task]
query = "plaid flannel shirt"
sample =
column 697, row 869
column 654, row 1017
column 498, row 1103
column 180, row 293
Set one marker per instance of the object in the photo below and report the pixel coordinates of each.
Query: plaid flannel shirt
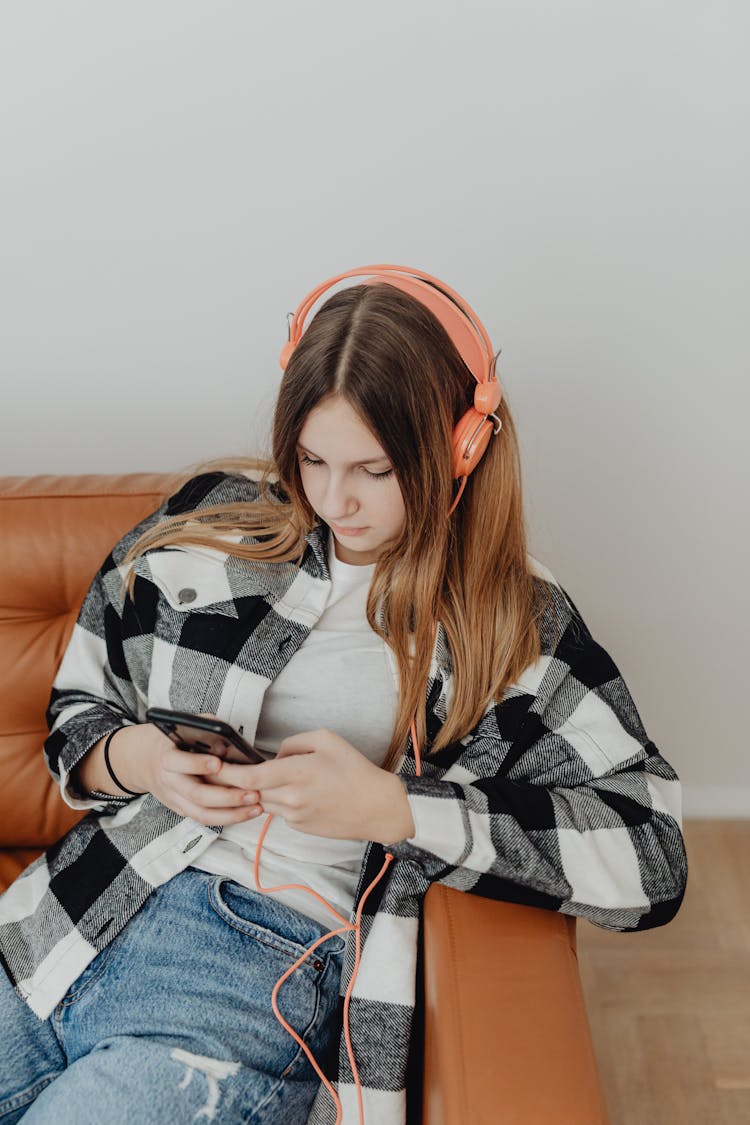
column 557, row 798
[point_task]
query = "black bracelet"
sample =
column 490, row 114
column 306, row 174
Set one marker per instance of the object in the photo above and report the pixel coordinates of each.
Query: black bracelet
column 110, row 771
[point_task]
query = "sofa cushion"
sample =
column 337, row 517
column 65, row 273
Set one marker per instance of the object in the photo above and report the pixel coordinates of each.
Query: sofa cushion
column 56, row 533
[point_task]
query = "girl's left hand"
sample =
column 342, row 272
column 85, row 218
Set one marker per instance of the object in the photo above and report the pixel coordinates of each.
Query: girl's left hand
column 321, row 784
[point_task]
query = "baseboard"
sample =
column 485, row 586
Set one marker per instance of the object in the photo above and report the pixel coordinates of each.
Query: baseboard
column 718, row 802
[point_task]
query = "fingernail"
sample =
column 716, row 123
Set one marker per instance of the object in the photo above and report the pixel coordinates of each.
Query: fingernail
column 249, row 798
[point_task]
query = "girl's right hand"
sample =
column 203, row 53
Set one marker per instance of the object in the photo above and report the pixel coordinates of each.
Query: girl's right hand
column 145, row 760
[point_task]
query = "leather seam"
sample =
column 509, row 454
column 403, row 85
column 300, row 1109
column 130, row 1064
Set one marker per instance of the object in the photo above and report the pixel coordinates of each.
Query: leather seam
column 456, row 997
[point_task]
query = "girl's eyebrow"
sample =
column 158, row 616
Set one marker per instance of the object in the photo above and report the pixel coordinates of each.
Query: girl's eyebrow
column 383, row 457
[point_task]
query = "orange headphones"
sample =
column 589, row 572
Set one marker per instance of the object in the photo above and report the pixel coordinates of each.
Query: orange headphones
column 472, row 432
column 471, row 437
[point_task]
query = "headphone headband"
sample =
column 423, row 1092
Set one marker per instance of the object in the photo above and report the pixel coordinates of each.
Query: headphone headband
column 474, row 429
column 467, row 331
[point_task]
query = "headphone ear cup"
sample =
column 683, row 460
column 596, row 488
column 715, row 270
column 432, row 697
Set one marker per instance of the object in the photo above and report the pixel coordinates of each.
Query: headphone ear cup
column 468, row 454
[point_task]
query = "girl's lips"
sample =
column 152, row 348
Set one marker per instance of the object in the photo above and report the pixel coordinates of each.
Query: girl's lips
column 348, row 530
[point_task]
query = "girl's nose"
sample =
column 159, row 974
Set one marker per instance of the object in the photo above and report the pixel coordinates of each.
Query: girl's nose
column 340, row 499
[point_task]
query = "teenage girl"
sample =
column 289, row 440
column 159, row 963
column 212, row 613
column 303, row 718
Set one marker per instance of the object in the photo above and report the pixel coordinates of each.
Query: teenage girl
column 430, row 705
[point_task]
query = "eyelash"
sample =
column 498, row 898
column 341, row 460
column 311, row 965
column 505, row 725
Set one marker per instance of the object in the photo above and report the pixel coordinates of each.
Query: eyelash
column 375, row 476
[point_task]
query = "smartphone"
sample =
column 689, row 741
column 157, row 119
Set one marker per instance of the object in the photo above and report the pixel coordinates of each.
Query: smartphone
column 201, row 735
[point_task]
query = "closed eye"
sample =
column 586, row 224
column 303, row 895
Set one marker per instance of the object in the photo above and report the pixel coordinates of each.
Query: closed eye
column 375, row 476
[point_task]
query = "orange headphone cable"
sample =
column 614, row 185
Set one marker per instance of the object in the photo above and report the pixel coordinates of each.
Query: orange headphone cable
column 345, row 928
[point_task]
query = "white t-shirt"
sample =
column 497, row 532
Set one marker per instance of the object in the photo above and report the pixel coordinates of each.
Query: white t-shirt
column 341, row 678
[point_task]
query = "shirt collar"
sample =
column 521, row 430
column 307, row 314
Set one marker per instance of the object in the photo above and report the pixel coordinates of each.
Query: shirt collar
column 317, row 540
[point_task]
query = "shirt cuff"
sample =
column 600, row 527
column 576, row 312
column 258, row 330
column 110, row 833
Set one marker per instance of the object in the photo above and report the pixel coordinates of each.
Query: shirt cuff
column 440, row 832
column 97, row 801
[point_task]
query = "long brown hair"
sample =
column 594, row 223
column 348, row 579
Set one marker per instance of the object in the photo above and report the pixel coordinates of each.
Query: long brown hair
column 390, row 358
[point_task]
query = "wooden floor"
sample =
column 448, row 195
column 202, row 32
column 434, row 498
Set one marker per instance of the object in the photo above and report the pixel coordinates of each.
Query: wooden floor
column 670, row 1008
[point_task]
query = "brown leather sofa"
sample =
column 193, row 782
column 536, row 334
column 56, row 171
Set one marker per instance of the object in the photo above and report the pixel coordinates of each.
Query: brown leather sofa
column 506, row 1036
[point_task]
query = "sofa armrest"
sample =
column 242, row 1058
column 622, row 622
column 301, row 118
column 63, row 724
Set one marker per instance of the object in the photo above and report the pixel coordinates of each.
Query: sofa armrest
column 507, row 1038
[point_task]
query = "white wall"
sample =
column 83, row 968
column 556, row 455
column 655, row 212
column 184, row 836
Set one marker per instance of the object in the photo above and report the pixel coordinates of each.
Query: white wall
column 177, row 175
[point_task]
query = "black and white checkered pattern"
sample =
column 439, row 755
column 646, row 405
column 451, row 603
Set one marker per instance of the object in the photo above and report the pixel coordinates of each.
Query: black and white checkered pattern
column 557, row 799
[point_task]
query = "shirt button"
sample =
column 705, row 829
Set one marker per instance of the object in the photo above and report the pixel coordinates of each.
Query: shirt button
column 186, row 595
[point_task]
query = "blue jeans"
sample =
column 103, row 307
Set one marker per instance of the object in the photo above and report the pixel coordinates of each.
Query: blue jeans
column 172, row 1022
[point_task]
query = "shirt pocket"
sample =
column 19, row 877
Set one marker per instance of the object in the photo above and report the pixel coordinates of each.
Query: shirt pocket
column 205, row 614
column 191, row 581
column 198, row 579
